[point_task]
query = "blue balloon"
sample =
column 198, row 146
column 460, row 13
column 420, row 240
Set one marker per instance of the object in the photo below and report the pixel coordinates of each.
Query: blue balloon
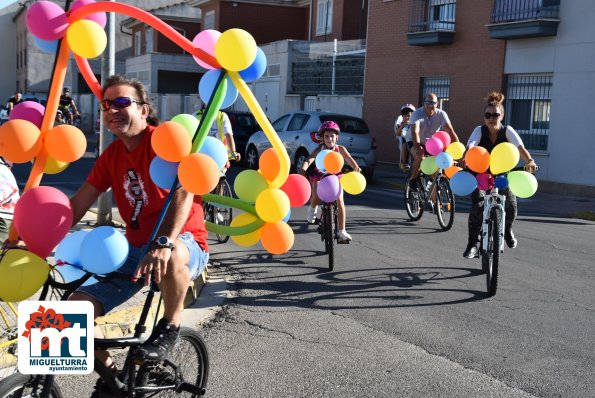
column 501, row 182
column 206, row 88
column 214, row 148
column 163, row 173
column 257, row 69
column 320, row 160
column 444, row 160
column 288, row 216
column 103, row 250
column 71, row 273
column 69, row 250
column 46, row 46
column 463, row 183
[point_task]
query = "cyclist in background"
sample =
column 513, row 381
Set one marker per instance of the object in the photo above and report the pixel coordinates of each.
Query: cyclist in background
column 492, row 133
column 403, row 133
column 14, row 101
column 329, row 133
column 9, row 194
column 222, row 130
column 68, row 106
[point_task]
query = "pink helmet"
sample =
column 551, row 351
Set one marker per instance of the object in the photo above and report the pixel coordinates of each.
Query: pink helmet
column 329, row 125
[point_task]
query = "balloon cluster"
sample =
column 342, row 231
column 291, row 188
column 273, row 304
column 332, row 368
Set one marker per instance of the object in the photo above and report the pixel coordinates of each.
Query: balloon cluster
column 330, row 186
column 443, row 153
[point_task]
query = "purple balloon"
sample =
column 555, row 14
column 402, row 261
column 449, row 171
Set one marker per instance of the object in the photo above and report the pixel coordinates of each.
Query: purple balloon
column 329, row 188
column 30, row 111
column 434, row 146
column 98, row 17
column 46, row 20
column 485, row 181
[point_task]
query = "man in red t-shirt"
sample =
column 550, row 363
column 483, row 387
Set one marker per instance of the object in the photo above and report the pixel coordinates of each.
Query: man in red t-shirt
column 179, row 253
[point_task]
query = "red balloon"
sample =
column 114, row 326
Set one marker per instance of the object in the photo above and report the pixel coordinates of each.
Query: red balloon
column 298, row 190
column 43, row 217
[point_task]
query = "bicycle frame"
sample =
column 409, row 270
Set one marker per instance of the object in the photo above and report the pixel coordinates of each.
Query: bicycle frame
column 491, row 200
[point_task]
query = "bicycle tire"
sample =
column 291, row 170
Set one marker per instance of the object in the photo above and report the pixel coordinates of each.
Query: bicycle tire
column 225, row 212
column 329, row 238
column 8, row 338
column 413, row 203
column 491, row 255
column 445, row 203
column 187, row 361
column 20, row 385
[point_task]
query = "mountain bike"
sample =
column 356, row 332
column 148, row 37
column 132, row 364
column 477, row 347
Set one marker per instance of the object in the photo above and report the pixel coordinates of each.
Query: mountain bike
column 434, row 191
column 217, row 214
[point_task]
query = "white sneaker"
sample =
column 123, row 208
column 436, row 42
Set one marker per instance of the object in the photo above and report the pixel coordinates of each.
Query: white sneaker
column 343, row 235
column 312, row 214
column 219, row 218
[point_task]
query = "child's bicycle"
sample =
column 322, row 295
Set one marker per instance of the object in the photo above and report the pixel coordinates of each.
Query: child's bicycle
column 183, row 372
column 434, row 191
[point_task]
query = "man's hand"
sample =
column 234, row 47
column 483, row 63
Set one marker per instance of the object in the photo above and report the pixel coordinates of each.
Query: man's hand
column 155, row 263
column 237, row 156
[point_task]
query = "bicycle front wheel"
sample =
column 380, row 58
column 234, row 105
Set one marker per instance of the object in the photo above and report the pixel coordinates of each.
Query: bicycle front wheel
column 445, row 203
column 491, row 254
column 223, row 214
column 329, row 235
column 20, row 385
column 413, row 201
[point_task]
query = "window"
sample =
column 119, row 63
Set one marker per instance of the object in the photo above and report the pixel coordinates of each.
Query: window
column 324, row 17
column 441, row 14
column 298, row 121
column 149, row 40
column 438, row 85
column 137, row 36
column 210, row 20
column 528, row 105
column 279, row 124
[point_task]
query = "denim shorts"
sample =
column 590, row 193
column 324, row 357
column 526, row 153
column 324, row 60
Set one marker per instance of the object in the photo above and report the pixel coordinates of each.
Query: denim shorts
column 114, row 292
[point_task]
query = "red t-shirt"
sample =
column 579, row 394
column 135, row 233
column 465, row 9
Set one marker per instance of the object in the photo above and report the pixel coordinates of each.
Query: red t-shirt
column 138, row 199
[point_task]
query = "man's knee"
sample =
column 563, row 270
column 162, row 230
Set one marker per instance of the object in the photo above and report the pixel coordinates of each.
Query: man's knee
column 81, row 296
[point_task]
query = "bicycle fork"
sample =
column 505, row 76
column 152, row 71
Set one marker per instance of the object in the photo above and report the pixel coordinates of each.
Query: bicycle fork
column 491, row 201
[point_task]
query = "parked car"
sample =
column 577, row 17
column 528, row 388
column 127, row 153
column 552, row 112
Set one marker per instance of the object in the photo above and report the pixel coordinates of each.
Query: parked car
column 243, row 125
column 299, row 133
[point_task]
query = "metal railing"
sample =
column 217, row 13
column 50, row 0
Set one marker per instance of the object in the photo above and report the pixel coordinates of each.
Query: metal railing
column 520, row 10
column 431, row 15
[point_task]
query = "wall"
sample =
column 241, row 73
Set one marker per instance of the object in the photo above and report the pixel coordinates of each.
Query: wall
column 7, row 63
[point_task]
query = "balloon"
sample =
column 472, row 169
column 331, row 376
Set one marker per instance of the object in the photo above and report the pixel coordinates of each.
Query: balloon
column 235, row 50
column 456, row 150
column 99, row 17
column 444, row 137
column 43, row 217
column 329, row 188
column 428, row 165
column 65, row 143
column 485, row 181
column 434, row 146
column 501, row 182
column 86, row 38
column 353, row 183
column 463, row 183
column 171, row 142
column 249, row 239
column 22, row 273
column 29, row 110
column 333, row 162
column 503, row 157
column 444, row 160
column 522, row 184
column 198, row 173
column 477, row 159
column 46, row 20
column 319, row 160
column 207, row 84
column 46, row 46
column 163, row 173
column 53, row 166
column 190, row 123
column 206, row 41
column 71, row 273
column 269, row 164
column 298, row 189
column 272, row 205
column 19, row 141
column 214, row 148
column 249, row 184
column 69, row 250
column 277, row 238
column 257, row 69
column 452, row 170
column 103, row 250
column 287, row 216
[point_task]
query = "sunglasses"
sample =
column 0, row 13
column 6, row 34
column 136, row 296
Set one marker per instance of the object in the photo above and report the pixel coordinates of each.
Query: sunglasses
column 433, row 103
column 118, row 103
column 489, row 115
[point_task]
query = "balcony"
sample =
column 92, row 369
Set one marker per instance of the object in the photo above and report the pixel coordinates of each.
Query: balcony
column 431, row 22
column 521, row 19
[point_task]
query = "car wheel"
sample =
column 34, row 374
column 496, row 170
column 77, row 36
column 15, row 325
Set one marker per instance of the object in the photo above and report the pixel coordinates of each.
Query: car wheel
column 252, row 157
column 300, row 158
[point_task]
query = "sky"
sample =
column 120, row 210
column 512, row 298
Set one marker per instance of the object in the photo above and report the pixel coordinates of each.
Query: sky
column 4, row 3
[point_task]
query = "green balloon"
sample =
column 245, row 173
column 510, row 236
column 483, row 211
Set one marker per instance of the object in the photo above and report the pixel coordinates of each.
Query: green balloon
column 428, row 165
column 209, row 117
column 522, row 184
column 249, row 184
column 190, row 122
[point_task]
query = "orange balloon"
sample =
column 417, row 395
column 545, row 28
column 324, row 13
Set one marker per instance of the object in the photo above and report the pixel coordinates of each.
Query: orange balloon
column 65, row 143
column 333, row 162
column 277, row 238
column 269, row 164
column 198, row 173
column 477, row 159
column 19, row 140
column 452, row 170
column 171, row 142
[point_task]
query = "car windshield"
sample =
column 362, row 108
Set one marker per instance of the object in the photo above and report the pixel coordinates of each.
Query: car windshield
column 246, row 121
column 348, row 124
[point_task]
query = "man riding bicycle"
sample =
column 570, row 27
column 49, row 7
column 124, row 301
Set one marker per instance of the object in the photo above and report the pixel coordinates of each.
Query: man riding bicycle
column 68, row 106
column 222, row 130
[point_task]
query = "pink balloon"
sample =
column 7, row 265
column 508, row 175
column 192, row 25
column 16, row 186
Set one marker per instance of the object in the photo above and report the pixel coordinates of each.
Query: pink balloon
column 46, row 20
column 298, row 190
column 329, row 188
column 43, row 217
column 485, row 181
column 206, row 40
column 434, row 146
column 30, row 111
column 444, row 137
column 98, row 17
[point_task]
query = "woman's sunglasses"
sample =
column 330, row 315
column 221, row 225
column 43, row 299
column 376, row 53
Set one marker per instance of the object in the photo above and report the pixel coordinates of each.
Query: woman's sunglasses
column 489, row 115
column 118, row 103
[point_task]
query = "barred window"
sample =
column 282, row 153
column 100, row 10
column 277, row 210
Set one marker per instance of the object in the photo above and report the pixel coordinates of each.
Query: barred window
column 429, row 15
column 438, row 85
column 528, row 105
column 210, row 20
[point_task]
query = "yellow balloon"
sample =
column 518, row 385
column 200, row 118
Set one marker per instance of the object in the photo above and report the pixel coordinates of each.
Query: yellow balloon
column 504, row 157
column 353, row 183
column 235, row 49
column 249, row 239
column 22, row 273
column 86, row 38
column 456, row 150
column 53, row 166
column 272, row 205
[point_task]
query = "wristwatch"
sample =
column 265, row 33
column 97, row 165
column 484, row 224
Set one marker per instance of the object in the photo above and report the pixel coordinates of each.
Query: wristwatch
column 164, row 241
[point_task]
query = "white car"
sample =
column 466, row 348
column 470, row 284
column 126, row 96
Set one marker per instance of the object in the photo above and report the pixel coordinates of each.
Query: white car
column 299, row 133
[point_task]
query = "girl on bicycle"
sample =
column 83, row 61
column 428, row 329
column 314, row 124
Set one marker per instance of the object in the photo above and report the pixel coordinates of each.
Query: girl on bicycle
column 329, row 134
column 492, row 133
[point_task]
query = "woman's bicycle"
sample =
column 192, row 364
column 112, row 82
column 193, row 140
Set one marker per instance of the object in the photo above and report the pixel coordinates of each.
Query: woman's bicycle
column 434, row 191
column 184, row 372
column 217, row 214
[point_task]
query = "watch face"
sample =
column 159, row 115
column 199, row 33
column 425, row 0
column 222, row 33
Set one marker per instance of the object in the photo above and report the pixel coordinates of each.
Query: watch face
column 162, row 240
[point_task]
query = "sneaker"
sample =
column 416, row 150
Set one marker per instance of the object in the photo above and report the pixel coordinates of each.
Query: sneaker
column 312, row 214
column 219, row 218
column 510, row 239
column 344, row 236
column 470, row 251
column 404, row 167
column 163, row 337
